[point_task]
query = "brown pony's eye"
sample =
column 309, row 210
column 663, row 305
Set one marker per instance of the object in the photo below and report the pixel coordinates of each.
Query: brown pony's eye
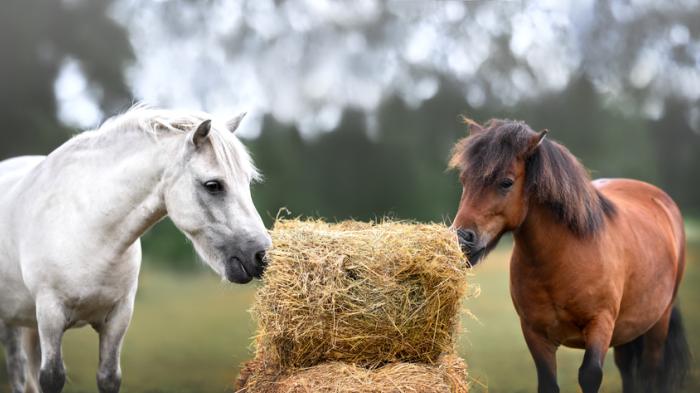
column 213, row 186
column 505, row 184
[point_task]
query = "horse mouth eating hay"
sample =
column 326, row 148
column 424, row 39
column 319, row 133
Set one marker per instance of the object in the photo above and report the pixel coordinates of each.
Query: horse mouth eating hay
column 594, row 264
column 71, row 223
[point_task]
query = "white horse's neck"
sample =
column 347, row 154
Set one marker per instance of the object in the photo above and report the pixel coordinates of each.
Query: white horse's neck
column 128, row 170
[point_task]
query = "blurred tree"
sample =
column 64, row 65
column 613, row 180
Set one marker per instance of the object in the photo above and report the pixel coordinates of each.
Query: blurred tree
column 360, row 104
column 350, row 173
column 648, row 58
column 400, row 169
column 677, row 148
column 600, row 74
column 37, row 36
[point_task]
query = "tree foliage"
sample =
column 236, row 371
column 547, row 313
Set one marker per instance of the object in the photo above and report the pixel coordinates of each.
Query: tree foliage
column 357, row 109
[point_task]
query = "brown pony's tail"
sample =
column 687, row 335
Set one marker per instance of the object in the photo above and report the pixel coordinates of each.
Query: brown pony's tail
column 677, row 356
column 675, row 364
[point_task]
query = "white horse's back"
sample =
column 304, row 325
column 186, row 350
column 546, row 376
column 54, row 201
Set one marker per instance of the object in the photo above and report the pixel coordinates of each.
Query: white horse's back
column 13, row 169
column 11, row 172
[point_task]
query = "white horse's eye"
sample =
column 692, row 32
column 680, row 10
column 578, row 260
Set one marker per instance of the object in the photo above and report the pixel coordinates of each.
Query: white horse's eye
column 213, row 186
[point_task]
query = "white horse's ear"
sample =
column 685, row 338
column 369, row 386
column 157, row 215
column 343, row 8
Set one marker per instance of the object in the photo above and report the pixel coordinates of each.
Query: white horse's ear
column 233, row 124
column 201, row 133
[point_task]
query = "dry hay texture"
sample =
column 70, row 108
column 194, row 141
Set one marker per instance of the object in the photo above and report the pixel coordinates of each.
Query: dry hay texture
column 449, row 375
column 366, row 294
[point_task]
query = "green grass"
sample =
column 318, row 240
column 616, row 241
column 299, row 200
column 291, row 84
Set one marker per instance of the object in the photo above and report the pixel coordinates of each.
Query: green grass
column 190, row 332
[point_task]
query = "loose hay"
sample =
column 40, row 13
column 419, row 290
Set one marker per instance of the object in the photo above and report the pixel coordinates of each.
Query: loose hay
column 366, row 294
column 449, row 375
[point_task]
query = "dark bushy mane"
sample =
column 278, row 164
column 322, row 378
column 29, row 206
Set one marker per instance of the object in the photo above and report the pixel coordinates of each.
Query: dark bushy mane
column 554, row 177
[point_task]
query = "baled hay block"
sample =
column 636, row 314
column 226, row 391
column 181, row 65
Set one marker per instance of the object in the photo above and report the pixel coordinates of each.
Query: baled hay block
column 448, row 375
column 361, row 293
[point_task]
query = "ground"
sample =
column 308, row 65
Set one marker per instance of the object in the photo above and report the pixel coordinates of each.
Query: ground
column 190, row 333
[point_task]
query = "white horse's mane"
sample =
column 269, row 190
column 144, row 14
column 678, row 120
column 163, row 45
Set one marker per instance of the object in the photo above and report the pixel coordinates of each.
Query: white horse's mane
column 229, row 151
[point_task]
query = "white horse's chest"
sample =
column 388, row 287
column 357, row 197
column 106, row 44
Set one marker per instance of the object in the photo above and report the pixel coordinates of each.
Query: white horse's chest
column 89, row 289
column 17, row 303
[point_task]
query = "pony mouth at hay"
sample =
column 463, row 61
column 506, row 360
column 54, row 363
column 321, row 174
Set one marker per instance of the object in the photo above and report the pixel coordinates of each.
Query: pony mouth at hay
column 476, row 255
column 236, row 271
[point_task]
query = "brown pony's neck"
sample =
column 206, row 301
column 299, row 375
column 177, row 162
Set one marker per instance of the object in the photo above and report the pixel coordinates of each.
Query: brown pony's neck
column 540, row 234
column 563, row 204
column 557, row 181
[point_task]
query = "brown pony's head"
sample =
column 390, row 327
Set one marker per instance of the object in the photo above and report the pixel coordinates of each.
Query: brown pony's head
column 504, row 167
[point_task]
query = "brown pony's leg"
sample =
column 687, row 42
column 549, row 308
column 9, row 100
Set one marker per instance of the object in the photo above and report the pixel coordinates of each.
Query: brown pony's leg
column 626, row 359
column 597, row 334
column 543, row 353
column 654, row 343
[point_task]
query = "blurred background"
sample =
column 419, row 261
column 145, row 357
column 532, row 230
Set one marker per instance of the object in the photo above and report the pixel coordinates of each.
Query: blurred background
column 353, row 108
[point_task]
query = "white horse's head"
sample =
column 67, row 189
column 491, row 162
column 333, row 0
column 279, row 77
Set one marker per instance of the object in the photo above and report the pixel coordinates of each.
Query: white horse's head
column 207, row 196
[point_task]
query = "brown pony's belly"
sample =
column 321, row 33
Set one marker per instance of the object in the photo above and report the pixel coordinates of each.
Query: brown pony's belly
column 562, row 321
column 556, row 330
column 634, row 322
column 627, row 332
column 567, row 334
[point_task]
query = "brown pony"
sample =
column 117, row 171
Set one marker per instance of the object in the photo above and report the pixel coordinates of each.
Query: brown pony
column 595, row 264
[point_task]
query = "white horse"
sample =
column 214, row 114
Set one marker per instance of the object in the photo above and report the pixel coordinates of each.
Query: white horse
column 70, row 224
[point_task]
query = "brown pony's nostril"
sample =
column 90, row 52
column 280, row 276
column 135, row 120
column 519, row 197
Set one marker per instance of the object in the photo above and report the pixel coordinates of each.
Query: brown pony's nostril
column 467, row 236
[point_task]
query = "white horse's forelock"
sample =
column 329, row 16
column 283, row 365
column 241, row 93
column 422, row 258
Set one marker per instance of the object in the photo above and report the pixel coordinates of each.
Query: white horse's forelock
column 230, row 153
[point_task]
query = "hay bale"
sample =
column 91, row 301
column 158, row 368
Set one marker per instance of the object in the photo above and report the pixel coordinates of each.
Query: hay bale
column 367, row 294
column 448, row 375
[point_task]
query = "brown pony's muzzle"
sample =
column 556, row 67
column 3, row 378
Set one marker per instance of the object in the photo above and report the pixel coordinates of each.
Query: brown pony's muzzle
column 467, row 239
column 470, row 245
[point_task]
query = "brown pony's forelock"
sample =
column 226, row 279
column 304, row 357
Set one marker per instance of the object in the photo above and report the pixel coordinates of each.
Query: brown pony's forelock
column 554, row 177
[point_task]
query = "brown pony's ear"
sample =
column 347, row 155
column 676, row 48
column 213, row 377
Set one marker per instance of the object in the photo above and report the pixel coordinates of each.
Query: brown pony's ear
column 472, row 126
column 536, row 141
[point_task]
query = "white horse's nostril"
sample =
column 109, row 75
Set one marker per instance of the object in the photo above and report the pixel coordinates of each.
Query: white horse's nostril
column 260, row 258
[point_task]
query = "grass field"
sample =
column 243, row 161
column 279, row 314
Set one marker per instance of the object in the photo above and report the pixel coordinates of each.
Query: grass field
column 190, row 333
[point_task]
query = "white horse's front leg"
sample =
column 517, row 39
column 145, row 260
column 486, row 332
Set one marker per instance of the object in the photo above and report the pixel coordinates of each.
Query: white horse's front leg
column 14, row 356
column 52, row 322
column 112, row 331
column 30, row 343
